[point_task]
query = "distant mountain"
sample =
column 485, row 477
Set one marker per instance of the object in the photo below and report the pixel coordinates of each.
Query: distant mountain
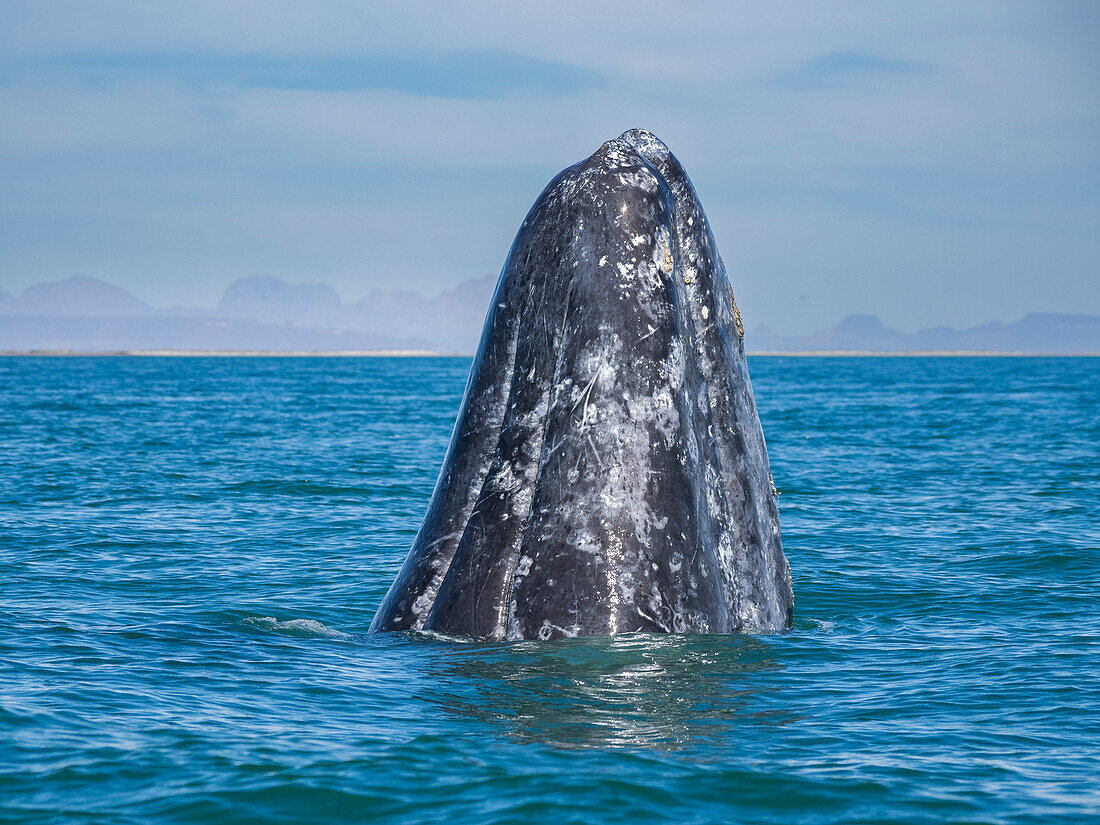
column 856, row 332
column 453, row 319
column 1048, row 333
column 267, row 313
column 1036, row 332
column 254, row 313
column 76, row 297
column 274, row 301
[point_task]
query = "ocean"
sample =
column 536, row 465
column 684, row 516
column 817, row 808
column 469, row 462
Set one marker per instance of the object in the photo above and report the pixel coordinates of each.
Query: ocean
column 192, row 549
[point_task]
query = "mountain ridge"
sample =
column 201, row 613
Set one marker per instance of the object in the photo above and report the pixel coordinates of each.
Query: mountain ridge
column 266, row 313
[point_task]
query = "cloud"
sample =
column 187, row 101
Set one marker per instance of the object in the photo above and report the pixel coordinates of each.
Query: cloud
column 879, row 154
column 837, row 69
column 472, row 74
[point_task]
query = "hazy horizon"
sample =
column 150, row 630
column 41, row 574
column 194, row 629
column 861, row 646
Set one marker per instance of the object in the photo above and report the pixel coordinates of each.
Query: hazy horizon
column 268, row 314
column 930, row 165
column 487, row 280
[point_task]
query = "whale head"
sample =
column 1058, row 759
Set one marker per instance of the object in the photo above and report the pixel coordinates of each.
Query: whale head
column 607, row 472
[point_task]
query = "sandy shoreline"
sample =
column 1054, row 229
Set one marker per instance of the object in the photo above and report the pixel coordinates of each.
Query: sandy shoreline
column 920, row 354
column 231, row 353
column 414, row 353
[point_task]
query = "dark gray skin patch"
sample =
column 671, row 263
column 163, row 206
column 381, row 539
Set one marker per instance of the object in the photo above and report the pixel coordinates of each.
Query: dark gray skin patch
column 607, row 472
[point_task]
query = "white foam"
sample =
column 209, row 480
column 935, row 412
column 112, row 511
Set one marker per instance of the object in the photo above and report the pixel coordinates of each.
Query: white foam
column 296, row 627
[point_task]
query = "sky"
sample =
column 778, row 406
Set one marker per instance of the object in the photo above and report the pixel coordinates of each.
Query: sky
column 933, row 163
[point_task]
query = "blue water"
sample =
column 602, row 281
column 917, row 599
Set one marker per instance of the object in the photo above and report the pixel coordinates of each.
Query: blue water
column 191, row 550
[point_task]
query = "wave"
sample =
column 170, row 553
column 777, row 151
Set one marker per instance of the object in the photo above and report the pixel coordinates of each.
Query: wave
column 300, row 628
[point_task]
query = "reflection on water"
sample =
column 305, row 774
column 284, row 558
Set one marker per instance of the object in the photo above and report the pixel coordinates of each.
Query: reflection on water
column 636, row 691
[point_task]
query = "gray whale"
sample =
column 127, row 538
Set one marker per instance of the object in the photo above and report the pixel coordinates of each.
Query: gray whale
column 607, row 471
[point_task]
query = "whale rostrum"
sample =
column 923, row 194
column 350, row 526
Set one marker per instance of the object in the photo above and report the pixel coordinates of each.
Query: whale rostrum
column 607, row 472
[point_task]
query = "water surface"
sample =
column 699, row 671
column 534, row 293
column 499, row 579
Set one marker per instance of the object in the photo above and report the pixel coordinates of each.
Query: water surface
column 191, row 551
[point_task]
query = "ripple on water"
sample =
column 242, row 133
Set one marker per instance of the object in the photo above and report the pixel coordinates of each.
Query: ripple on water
column 192, row 550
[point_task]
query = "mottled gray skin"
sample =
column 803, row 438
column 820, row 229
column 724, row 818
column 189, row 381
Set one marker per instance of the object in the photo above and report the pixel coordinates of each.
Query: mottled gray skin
column 607, row 472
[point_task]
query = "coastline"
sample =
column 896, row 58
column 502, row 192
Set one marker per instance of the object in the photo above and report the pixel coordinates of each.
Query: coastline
column 229, row 353
column 841, row 353
column 416, row 353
